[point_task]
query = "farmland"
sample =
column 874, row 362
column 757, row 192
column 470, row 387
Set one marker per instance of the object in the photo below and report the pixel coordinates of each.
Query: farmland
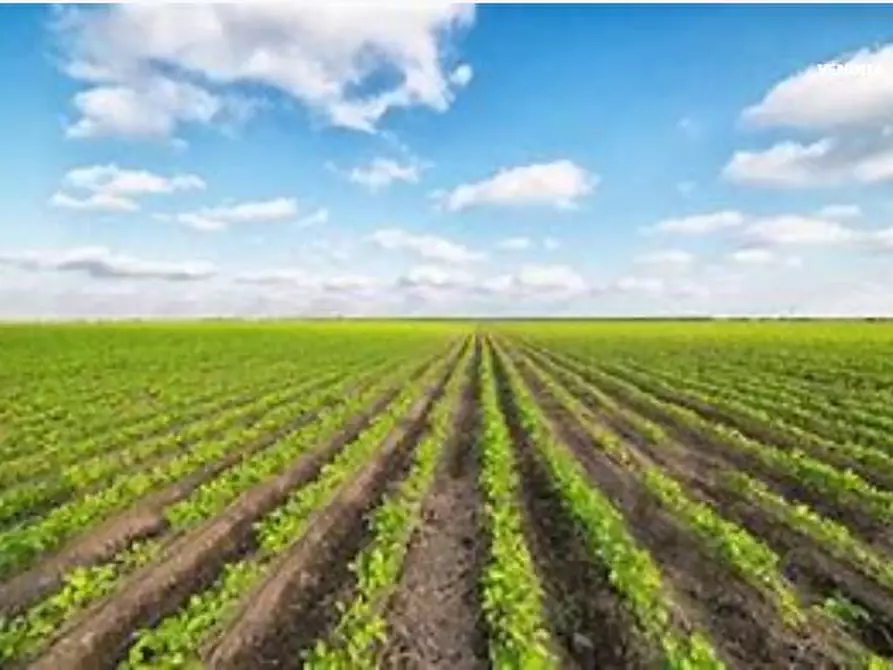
column 446, row 494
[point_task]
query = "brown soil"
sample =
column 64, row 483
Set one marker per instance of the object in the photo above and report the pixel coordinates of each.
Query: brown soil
column 144, row 520
column 872, row 531
column 764, row 433
column 742, row 624
column 435, row 618
column 102, row 634
column 296, row 604
column 588, row 618
column 814, row 572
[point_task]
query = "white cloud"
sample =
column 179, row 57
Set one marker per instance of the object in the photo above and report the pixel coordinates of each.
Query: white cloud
column 654, row 286
column 100, row 263
column 95, row 202
column 319, row 217
column 759, row 231
column 277, row 276
column 113, row 189
column 560, row 278
column 113, row 180
column 462, row 75
column 854, row 90
column 881, row 240
column 558, row 184
column 435, row 276
column 535, row 283
column 551, row 244
column 826, row 162
column 840, row 212
column 515, row 243
column 429, row 247
column 753, row 256
column 382, row 172
column 147, row 107
column 699, row 224
column 219, row 218
column 142, row 62
column 666, row 257
column 798, row 230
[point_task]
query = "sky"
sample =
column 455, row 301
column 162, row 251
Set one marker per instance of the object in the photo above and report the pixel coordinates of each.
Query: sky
column 428, row 159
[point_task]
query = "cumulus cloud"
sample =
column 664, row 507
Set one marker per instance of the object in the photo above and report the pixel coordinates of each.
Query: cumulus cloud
column 100, row 263
column 220, row 218
column 428, row 247
column 854, row 90
column 699, row 224
column 145, row 107
column 558, row 184
column 150, row 67
column 823, row 163
column 766, row 231
column 798, row 230
column 382, row 172
column 113, row 189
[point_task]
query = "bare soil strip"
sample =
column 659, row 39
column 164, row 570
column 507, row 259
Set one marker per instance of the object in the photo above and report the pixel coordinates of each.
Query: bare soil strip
column 144, row 520
column 102, row 634
column 587, row 616
column 741, row 622
column 815, row 573
column 872, row 531
column 435, row 618
column 295, row 604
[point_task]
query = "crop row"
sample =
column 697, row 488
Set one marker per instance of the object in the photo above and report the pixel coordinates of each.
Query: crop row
column 177, row 640
column 19, row 546
column 841, row 486
column 92, row 474
column 22, row 633
column 743, row 553
column 631, row 570
column 799, row 518
column 361, row 626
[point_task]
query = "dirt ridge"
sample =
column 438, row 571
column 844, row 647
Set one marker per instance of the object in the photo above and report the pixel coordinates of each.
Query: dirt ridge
column 434, row 618
column 100, row 636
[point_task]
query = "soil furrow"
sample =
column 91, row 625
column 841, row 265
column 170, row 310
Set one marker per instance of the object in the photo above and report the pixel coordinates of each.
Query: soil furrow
column 143, row 520
column 587, row 616
column 815, row 572
column 295, row 605
column 741, row 622
column 869, row 529
column 101, row 636
column 435, row 618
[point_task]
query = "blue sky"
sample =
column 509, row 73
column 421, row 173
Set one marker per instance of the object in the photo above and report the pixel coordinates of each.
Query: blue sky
column 495, row 160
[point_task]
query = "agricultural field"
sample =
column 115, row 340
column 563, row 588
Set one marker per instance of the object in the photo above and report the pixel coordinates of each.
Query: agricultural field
column 446, row 495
